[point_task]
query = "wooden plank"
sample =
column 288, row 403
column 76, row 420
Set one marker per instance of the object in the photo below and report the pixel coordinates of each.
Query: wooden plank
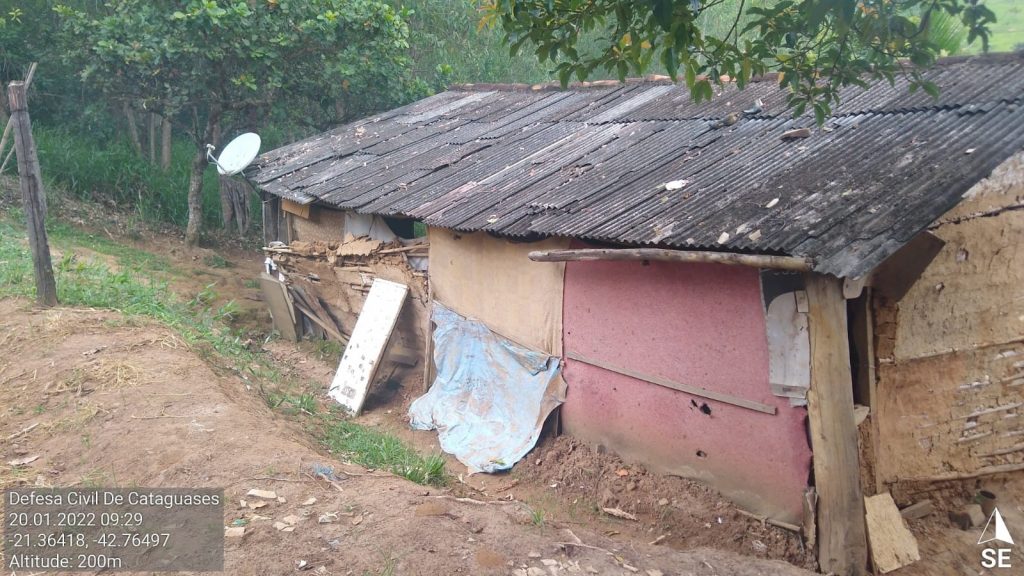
column 428, row 334
column 789, row 349
column 32, row 195
column 694, row 390
column 892, row 544
column 594, row 254
column 842, row 541
column 918, row 510
column 292, row 207
column 276, row 297
column 310, row 305
column 331, row 331
column 365, row 349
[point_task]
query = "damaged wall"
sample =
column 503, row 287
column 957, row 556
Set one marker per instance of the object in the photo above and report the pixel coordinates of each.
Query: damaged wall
column 950, row 354
column 339, row 269
column 698, row 324
column 493, row 280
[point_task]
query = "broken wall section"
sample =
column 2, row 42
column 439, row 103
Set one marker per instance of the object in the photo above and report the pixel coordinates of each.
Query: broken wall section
column 331, row 264
column 951, row 352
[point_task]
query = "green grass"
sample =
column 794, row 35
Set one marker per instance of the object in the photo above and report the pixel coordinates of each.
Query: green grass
column 383, row 451
column 1008, row 31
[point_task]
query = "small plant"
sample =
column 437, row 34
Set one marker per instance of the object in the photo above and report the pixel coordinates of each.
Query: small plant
column 329, row 350
column 537, row 517
column 217, row 261
column 252, row 283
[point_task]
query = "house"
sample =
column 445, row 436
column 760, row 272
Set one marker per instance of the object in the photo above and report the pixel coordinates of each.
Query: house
column 721, row 295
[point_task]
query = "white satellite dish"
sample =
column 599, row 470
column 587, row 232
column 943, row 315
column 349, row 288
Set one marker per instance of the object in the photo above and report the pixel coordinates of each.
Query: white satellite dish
column 237, row 155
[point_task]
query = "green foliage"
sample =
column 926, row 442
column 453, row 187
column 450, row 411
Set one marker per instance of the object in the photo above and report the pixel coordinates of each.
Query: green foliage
column 383, row 451
column 447, row 45
column 101, row 169
column 211, row 64
column 219, row 56
column 818, row 46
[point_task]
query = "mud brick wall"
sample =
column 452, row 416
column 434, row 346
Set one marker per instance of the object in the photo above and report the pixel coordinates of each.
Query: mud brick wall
column 322, row 224
column 951, row 353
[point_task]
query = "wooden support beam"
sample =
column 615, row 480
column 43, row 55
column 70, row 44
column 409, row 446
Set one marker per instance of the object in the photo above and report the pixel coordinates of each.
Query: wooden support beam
column 842, row 537
column 754, row 260
column 692, row 390
column 32, row 195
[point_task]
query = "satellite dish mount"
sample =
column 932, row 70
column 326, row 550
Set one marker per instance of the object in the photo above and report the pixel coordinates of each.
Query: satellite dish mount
column 237, row 155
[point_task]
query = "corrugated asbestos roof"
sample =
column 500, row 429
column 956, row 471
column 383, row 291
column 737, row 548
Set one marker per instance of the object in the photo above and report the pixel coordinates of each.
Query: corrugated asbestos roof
column 591, row 163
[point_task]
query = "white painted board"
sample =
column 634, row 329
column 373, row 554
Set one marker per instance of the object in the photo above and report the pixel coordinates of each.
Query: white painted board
column 366, row 346
column 789, row 347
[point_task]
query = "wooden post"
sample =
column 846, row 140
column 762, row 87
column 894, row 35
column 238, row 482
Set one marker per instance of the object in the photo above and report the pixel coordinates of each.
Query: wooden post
column 32, row 195
column 603, row 254
column 842, row 535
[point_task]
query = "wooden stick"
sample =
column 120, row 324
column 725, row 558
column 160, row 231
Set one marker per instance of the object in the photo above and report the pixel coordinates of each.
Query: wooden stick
column 477, row 502
column 987, row 471
column 6, row 160
column 772, row 522
column 23, row 431
column 404, row 249
column 10, row 119
column 694, row 390
column 587, row 546
column 592, row 254
column 32, row 196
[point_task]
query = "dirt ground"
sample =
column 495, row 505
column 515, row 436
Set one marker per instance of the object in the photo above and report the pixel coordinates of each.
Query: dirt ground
column 118, row 403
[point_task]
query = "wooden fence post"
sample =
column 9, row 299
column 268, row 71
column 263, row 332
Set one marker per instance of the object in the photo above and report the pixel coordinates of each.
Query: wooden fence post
column 32, row 194
column 842, row 533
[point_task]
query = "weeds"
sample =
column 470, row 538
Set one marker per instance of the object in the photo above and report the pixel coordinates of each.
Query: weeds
column 329, row 351
column 537, row 517
column 380, row 450
column 302, row 403
column 217, row 261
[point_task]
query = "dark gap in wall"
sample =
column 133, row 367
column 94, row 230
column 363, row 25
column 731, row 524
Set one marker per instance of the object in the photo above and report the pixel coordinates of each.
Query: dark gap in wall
column 406, row 228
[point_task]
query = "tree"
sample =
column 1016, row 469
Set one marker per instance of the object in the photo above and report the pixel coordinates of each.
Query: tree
column 817, row 46
column 211, row 62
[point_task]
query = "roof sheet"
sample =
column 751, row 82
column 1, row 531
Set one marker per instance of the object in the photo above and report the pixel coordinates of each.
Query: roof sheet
column 591, row 163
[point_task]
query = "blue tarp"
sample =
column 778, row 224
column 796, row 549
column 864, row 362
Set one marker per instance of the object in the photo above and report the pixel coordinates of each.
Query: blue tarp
column 491, row 395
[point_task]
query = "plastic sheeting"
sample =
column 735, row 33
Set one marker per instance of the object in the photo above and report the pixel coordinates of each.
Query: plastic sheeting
column 491, row 396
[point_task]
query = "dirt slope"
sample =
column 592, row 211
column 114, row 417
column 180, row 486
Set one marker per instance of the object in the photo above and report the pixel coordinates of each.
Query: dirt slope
column 118, row 402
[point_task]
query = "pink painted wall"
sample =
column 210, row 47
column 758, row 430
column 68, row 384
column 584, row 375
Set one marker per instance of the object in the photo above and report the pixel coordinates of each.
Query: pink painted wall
column 699, row 324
